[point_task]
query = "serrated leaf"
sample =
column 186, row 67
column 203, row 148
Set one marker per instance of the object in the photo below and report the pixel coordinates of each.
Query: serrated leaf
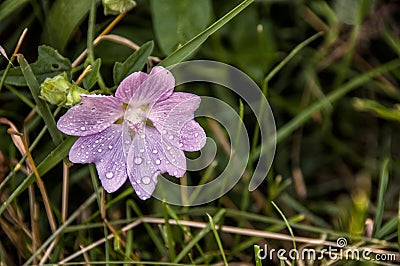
column 177, row 21
column 49, row 63
column 91, row 78
column 62, row 20
column 135, row 62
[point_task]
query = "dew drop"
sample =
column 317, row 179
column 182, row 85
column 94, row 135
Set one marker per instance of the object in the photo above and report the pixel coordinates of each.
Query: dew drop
column 158, row 162
column 164, row 132
column 138, row 160
column 99, row 150
column 196, row 134
column 168, row 148
column 180, row 145
column 110, row 147
column 82, row 146
column 109, row 175
column 146, row 180
column 170, row 137
column 93, row 109
column 142, row 136
column 141, row 150
column 96, row 141
column 83, row 128
column 155, row 151
column 175, row 173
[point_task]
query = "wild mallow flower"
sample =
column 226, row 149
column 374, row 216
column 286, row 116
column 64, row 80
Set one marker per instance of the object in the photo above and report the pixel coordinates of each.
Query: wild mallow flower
column 140, row 133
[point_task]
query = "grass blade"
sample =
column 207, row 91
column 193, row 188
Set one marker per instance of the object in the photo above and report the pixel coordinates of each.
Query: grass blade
column 289, row 127
column 221, row 248
column 198, row 237
column 59, row 153
column 42, row 105
column 383, row 183
column 189, row 47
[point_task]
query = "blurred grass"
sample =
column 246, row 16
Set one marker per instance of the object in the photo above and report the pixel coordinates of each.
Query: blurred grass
column 335, row 102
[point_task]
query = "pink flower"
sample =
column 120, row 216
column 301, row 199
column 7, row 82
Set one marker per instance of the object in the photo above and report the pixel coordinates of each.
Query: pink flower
column 159, row 125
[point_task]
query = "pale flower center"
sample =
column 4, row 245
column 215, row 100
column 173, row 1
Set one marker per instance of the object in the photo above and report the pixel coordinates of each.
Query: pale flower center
column 136, row 116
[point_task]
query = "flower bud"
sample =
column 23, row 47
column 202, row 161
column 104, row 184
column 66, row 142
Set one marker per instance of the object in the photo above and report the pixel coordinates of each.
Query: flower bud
column 59, row 91
column 116, row 7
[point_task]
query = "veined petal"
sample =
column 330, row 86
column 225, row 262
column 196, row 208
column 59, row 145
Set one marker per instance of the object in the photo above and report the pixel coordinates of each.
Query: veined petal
column 150, row 156
column 141, row 171
column 164, row 156
column 129, row 85
column 158, row 86
column 192, row 137
column 94, row 114
column 105, row 150
column 171, row 117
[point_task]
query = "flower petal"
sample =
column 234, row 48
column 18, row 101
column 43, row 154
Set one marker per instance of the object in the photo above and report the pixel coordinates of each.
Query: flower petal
column 141, row 171
column 129, row 85
column 94, row 114
column 159, row 85
column 150, row 156
column 192, row 137
column 173, row 117
column 105, row 150
column 165, row 157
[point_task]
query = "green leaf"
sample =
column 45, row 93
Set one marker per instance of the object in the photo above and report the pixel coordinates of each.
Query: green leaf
column 59, row 153
column 189, row 47
column 134, row 62
column 177, row 21
column 9, row 6
column 64, row 17
column 49, row 63
column 42, row 105
column 91, row 78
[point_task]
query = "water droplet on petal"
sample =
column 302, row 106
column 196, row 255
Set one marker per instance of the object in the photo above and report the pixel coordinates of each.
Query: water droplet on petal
column 158, row 161
column 110, row 147
column 180, row 145
column 83, row 128
column 141, row 150
column 171, row 137
column 146, row 180
column 142, row 136
column 164, row 132
column 109, row 175
column 196, row 134
column 175, row 173
column 96, row 141
column 93, row 109
column 138, row 160
column 138, row 193
column 99, row 150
